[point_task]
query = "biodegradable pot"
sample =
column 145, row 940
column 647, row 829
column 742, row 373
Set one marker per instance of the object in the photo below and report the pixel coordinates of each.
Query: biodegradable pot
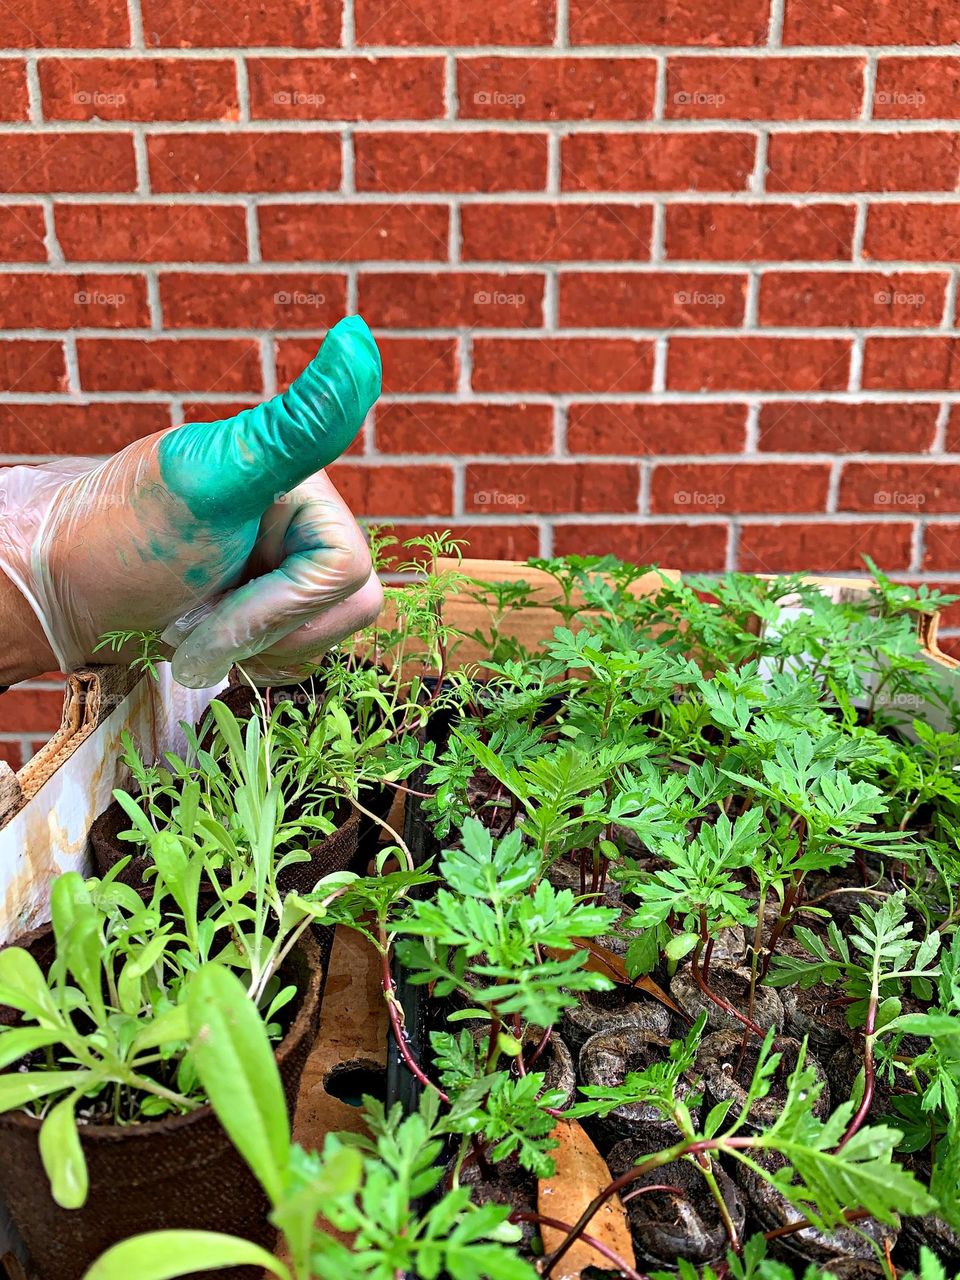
column 607, row 1059
column 847, row 1248
column 845, row 1066
column 597, row 1011
column 666, row 1226
column 510, row 1184
column 732, row 985
column 928, row 1230
column 334, row 852
column 717, row 1060
column 818, row 1013
column 175, row 1172
column 556, row 1061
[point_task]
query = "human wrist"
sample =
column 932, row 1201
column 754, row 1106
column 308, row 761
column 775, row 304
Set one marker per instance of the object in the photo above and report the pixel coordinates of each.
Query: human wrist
column 24, row 648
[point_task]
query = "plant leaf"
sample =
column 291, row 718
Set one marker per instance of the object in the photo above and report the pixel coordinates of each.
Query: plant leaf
column 62, row 1155
column 164, row 1255
column 236, row 1066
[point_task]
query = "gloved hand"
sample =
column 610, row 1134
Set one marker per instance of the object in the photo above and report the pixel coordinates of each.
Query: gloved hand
column 227, row 535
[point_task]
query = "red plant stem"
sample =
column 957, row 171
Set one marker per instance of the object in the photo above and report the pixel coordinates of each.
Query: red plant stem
column 399, row 1032
column 655, row 1186
column 719, row 1001
column 869, row 1074
column 707, row 955
column 667, row 1156
column 623, row 1267
column 544, row 1041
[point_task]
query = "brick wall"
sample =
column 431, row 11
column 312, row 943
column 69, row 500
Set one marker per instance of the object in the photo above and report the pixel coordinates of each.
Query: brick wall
column 668, row 277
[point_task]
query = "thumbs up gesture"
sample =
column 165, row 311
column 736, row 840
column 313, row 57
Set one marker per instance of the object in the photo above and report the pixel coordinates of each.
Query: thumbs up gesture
column 226, row 536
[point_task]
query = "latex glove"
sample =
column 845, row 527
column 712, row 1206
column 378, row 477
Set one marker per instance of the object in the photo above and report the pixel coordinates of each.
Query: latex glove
column 226, row 535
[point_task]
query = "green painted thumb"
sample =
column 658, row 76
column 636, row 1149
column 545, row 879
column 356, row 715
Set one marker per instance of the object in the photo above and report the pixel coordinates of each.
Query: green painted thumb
column 231, row 471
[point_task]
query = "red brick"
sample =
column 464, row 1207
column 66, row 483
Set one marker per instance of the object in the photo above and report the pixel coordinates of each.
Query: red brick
column 644, row 429
column 769, row 233
column 487, row 162
column 394, row 490
column 208, row 411
column 38, row 24
column 244, row 300
column 369, row 88
column 656, row 161
column 244, row 161
column 863, row 162
column 152, row 232
column 11, row 754
column 953, row 430
column 411, row 366
column 14, row 100
column 550, row 487
column 695, row 548
column 77, row 428
column 421, row 300
column 353, row 232
column 138, row 89
column 758, row 364
column 512, row 88
column 22, row 233
column 707, row 22
column 767, row 88
column 759, row 232
column 559, row 365
column 467, row 22
column 923, row 232
column 482, row 538
column 67, row 162
column 912, row 364
column 642, row 299
column 822, row 548
column 847, row 428
column 699, row 489
column 26, row 710
column 900, row 488
column 418, row 366
column 941, row 547
column 950, row 645
column 917, row 89
column 464, row 428
column 862, row 298
column 871, row 22
column 211, row 23
column 555, row 232
column 40, row 301
column 32, row 366
column 229, row 366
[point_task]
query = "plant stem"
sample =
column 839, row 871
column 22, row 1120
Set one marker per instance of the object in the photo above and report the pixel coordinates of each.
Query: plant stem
column 718, row 999
column 630, row 1273
column 728, row 1223
column 401, row 844
column 396, row 1023
column 868, row 1070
